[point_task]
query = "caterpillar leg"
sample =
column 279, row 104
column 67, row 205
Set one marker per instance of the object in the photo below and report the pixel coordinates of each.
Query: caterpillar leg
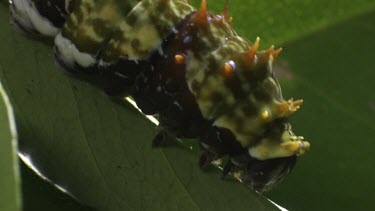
column 206, row 156
column 159, row 139
column 164, row 138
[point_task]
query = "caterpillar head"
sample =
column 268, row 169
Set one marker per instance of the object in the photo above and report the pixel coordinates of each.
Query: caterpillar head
column 278, row 141
column 270, row 160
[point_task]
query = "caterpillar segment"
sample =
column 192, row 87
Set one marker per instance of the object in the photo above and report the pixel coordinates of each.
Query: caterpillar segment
column 44, row 17
column 186, row 65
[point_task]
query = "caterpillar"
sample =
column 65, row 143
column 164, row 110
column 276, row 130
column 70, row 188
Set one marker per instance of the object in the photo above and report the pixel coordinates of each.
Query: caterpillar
column 185, row 65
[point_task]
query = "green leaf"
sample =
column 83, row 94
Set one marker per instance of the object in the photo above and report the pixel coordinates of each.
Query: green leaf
column 38, row 194
column 9, row 174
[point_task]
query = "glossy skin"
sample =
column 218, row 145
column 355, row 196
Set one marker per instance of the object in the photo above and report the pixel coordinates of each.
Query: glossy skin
column 190, row 68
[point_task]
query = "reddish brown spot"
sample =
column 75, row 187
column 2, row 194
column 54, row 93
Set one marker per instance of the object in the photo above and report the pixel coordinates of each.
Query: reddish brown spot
column 228, row 69
column 201, row 17
column 253, row 50
column 225, row 12
column 179, row 59
column 270, row 51
column 276, row 53
column 230, row 21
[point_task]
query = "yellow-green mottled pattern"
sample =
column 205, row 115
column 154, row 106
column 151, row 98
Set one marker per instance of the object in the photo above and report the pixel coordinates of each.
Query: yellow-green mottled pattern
column 145, row 28
column 235, row 101
column 215, row 95
column 91, row 22
column 122, row 28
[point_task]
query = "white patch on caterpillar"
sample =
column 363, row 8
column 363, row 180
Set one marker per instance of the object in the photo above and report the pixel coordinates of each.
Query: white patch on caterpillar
column 25, row 13
column 267, row 150
column 270, row 148
column 68, row 53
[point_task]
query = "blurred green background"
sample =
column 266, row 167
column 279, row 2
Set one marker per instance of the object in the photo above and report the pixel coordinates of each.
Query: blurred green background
column 100, row 151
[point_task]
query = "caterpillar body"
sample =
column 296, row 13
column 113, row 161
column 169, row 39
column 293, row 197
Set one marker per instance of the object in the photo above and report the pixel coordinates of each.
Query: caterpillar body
column 187, row 66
